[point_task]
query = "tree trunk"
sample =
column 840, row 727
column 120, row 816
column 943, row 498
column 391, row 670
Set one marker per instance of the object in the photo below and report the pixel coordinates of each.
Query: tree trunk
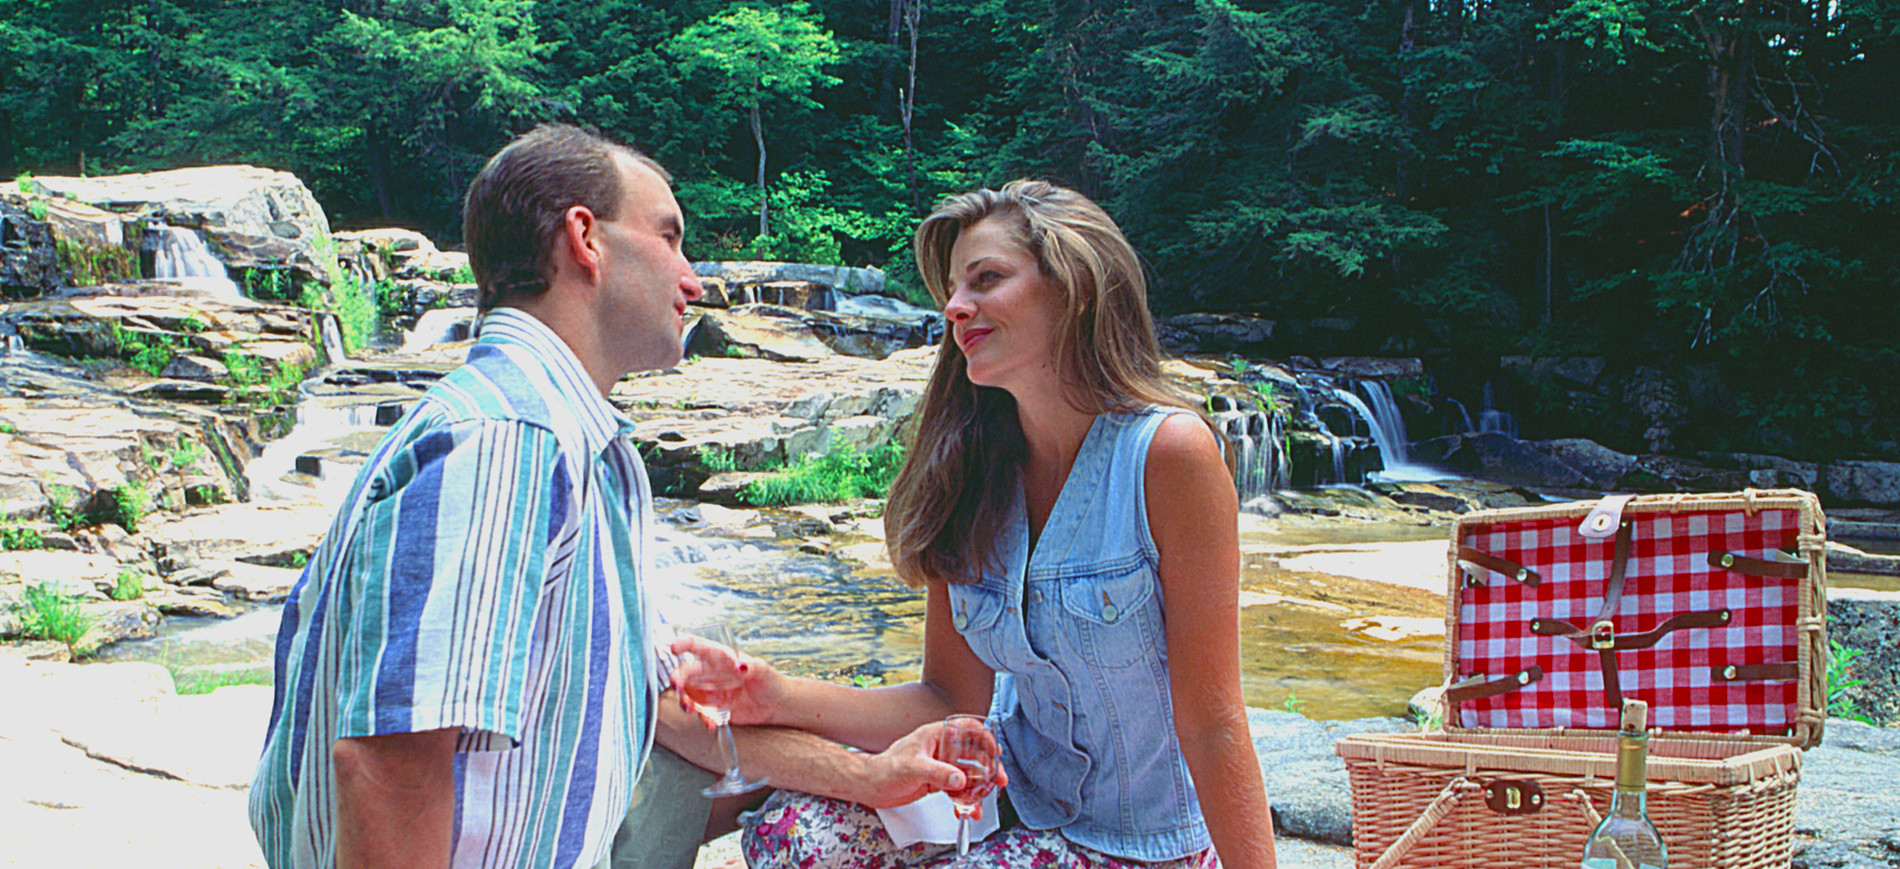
column 1714, row 247
column 758, row 138
column 913, row 9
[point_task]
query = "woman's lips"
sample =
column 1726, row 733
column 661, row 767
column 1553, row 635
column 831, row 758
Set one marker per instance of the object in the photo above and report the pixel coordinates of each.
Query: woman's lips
column 970, row 337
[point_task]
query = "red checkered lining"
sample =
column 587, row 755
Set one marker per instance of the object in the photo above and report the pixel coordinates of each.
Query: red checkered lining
column 1668, row 574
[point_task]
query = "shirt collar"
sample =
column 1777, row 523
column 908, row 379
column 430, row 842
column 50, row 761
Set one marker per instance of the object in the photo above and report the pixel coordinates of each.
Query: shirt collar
column 513, row 329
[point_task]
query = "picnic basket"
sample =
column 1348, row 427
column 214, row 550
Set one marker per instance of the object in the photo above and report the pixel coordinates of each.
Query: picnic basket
column 1708, row 607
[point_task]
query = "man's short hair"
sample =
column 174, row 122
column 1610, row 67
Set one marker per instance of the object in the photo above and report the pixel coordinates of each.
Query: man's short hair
column 517, row 204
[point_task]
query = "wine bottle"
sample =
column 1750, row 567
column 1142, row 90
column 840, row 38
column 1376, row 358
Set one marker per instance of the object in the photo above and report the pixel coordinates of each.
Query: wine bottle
column 1627, row 839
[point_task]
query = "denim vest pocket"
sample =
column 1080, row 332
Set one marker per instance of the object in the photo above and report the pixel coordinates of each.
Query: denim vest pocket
column 974, row 612
column 1112, row 613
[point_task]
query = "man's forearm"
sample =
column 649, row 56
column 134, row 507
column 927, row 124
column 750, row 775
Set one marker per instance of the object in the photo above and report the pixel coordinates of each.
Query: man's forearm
column 791, row 759
column 395, row 800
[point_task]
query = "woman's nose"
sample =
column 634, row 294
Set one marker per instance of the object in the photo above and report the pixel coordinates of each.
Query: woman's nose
column 958, row 308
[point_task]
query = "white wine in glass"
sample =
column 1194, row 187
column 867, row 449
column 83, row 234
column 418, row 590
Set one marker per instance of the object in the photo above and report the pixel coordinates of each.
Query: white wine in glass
column 711, row 690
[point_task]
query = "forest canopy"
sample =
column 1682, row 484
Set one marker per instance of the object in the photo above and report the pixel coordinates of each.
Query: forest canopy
column 1675, row 182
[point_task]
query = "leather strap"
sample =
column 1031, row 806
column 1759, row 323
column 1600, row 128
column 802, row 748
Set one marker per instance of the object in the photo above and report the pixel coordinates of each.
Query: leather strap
column 1503, row 566
column 1758, row 566
column 1644, row 640
column 1619, row 568
column 1757, row 673
column 1493, row 687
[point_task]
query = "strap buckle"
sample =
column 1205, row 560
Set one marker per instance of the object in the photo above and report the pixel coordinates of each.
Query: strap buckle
column 1603, row 635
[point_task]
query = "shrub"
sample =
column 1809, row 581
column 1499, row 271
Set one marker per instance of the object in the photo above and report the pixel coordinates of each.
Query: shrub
column 130, row 585
column 19, row 537
column 833, row 476
column 126, row 505
column 1839, row 704
column 50, row 615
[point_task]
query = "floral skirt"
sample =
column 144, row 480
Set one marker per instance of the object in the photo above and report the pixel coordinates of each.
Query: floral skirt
column 801, row 831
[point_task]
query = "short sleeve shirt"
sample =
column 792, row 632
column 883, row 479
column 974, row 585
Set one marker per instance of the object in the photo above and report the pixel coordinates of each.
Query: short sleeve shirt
column 483, row 575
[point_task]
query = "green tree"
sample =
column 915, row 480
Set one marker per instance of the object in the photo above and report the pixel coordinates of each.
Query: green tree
column 755, row 53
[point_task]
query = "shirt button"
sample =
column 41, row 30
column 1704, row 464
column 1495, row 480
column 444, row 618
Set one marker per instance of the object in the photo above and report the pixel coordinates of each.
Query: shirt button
column 960, row 621
column 1109, row 612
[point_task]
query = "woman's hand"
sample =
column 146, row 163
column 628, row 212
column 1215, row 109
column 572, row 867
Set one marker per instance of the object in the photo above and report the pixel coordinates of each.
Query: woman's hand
column 712, row 676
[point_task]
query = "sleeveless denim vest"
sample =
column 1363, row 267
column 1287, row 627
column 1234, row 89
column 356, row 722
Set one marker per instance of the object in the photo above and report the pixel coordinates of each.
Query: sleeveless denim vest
column 1076, row 637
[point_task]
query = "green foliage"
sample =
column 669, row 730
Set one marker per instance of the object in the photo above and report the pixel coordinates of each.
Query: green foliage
column 836, row 475
column 48, row 614
column 8, row 428
column 124, row 506
column 299, row 558
column 357, row 306
column 62, row 503
column 91, row 265
column 1293, row 704
column 184, row 455
column 37, row 209
column 205, row 681
column 129, row 585
column 270, row 284
column 718, row 461
column 204, row 493
column 1839, row 663
column 279, row 381
column 14, row 536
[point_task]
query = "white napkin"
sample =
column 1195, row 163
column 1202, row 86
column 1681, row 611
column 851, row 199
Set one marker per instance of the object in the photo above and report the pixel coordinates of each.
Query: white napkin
column 933, row 818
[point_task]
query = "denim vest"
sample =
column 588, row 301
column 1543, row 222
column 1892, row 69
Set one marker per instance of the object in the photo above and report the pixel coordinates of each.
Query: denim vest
column 1075, row 634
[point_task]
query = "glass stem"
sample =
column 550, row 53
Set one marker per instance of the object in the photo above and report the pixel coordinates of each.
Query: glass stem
column 963, row 837
column 729, row 750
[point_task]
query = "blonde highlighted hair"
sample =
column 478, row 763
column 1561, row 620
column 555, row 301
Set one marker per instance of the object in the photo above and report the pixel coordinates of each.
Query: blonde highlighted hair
column 961, row 474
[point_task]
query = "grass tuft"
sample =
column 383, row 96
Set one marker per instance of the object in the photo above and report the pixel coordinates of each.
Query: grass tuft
column 838, row 475
column 49, row 614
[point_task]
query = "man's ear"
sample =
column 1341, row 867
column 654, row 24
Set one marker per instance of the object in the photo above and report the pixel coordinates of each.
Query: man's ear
column 579, row 239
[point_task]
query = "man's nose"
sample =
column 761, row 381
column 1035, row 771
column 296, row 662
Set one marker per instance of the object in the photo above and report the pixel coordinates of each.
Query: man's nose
column 691, row 287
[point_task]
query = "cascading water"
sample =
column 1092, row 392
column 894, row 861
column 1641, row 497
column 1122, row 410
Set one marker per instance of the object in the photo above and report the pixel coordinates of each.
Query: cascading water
column 1492, row 420
column 332, row 339
column 183, row 258
column 439, row 326
column 1260, row 462
column 1464, row 416
column 1388, row 434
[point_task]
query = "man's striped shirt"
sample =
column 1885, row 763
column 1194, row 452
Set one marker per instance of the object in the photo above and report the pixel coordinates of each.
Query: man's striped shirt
column 482, row 575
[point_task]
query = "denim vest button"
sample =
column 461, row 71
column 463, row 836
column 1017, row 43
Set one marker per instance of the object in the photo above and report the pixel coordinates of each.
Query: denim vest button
column 1109, row 612
column 960, row 621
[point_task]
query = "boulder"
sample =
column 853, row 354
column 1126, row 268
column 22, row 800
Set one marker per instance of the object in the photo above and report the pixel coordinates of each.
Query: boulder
column 251, row 217
column 1869, row 622
column 788, row 334
column 736, row 276
column 189, row 366
column 29, row 263
column 1601, row 466
column 1501, row 458
column 1860, row 482
column 1373, row 368
column 1216, row 333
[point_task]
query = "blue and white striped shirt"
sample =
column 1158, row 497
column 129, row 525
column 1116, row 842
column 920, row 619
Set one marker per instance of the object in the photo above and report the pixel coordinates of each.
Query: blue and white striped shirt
column 482, row 575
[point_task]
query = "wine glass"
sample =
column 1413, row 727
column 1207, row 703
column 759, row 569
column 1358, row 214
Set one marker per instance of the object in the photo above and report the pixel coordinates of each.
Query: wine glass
column 711, row 689
column 968, row 743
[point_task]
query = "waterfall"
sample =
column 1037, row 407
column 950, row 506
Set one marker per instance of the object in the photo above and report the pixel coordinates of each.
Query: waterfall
column 1464, row 416
column 439, row 326
column 1339, row 456
column 1260, row 461
column 183, row 258
column 1388, row 434
column 332, row 339
column 1491, row 420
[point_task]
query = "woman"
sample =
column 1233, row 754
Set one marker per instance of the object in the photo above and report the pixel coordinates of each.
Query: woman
column 1058, row 499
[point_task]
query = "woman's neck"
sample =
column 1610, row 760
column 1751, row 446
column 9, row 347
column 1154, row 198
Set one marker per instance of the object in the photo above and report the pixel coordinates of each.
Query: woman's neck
column 1053, row 432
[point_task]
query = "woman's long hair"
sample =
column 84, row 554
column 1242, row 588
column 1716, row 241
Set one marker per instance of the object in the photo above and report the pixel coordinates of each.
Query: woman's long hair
column 950, row 501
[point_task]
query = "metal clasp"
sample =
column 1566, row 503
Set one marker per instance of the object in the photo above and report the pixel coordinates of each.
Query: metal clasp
column 1603, row 635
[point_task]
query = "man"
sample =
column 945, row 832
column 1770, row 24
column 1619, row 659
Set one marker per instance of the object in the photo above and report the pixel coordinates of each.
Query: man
column 464, row 674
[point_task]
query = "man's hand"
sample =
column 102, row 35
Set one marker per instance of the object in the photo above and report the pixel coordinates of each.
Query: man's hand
column 747, row 685
column 395, row 799
column 909, row 769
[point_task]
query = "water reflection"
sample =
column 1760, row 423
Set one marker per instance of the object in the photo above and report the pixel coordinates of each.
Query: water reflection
column 1315, row 629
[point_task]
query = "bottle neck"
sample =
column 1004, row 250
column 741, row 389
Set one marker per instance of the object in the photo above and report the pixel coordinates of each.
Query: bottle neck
column 1632, row 773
